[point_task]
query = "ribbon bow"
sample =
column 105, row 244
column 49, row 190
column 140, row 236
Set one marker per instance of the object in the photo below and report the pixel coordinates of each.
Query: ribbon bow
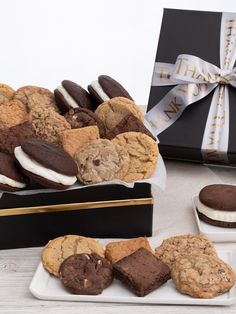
column 195, row 79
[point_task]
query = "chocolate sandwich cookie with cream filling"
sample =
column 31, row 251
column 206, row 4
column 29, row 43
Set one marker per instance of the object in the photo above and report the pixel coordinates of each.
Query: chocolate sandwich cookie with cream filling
column 217, row 205
column 46, row 164
column 11, row 179
column 70, row 95
column 105, row 88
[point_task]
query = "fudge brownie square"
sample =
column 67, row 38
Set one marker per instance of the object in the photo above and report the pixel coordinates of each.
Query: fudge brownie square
column 142, row 272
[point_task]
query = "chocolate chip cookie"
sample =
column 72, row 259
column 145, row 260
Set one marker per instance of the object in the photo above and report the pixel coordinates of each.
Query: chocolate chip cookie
column 112, row 111
column 101, row 160
column 82, row 117
column 86, row 274
column 48, row 124
column 58, row 249
column 143, row 153
column 32, row 96
column 174, row 247
column 202, row 276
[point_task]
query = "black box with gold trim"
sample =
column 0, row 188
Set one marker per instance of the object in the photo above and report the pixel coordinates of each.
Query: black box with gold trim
column 108, row 211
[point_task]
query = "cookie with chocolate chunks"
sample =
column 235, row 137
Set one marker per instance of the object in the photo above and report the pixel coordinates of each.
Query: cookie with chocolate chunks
column 86, row 274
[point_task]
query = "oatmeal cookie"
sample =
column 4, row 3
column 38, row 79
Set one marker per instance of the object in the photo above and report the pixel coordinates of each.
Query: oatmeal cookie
column 202, row 276
column 174, row 247
column 48, row 124
column 32, row 96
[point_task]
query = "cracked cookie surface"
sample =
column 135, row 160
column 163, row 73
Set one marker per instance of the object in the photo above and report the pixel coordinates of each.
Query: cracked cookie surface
column 32, row 96
column 86, row 274
column 202, row 276
column 101, row 160
column 143, row 153
column 111, row 112
column 58, row 249
column 173, row 247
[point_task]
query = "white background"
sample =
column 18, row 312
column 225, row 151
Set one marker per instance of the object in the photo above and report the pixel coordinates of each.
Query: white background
column 46, row 41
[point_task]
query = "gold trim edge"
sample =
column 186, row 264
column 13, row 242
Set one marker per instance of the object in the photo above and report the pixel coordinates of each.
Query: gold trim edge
column 74, row 206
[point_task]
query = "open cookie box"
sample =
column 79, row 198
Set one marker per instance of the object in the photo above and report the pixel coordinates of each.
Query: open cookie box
column 103, row 211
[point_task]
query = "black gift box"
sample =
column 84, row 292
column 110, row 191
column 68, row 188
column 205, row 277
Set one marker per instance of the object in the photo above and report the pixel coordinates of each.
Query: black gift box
column 195, row 33
column 108, row 211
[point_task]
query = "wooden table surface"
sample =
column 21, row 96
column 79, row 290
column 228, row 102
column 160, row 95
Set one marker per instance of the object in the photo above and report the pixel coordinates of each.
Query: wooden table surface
column 184, row 180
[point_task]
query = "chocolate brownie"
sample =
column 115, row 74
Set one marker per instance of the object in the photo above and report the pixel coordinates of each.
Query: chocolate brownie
column 142, row 272
column 11, row 178
column 14, row 136
column 106, row 88
column 217, row 205
column 70, row 95
column 81, row 117
column 86, row 273
column 127, row 124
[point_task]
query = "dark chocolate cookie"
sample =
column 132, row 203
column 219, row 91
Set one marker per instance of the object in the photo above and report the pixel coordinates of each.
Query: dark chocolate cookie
column 70, row 95
column 86, row 273
column 81, row 117
column 106, row 88
column 14, row 136
column 50, row 156
column 11, row 178
column 219, row 196
column 127, row 124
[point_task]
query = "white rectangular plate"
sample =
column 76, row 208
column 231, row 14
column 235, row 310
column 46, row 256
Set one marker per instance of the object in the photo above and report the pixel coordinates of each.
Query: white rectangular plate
column 47, row 287
column 213, row 233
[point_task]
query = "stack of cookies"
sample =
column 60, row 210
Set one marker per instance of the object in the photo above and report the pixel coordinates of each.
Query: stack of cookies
column 191, row 261
column 57, row 138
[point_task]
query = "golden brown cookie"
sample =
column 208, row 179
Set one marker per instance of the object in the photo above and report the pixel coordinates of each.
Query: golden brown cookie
column 115, row 251
column 6, row 93
column 72, row 140
column 32, row 96
column 101, row 160
column 48, row 124
column 58, row 249
column 112, row 111
column 202, row 276
column 12, row 113
column 174, row 247
column 143, row 153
